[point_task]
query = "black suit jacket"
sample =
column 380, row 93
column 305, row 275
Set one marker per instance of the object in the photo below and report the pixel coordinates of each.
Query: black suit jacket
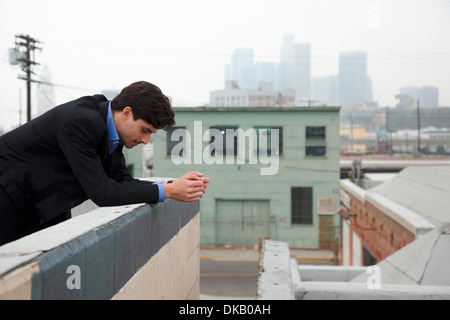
column 60, row 159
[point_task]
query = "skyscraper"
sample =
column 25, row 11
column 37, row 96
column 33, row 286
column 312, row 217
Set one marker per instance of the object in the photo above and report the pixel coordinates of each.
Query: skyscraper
column 45, row 92
column 285, row 74
column 353, row 79
column 294, row 69
column 241, row 68
column 429, row 97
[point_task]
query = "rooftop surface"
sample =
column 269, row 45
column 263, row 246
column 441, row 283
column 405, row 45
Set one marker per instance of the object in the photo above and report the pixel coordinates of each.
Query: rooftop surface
column 424, row 190
column 425, row 261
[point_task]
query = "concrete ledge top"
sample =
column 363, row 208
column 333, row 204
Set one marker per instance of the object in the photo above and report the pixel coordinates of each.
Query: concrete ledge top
column 275, row 280
column 354, row 189
column 16, row 253
column 359, row 291
column 413, row 221
column 329, row 273
column 107, row 246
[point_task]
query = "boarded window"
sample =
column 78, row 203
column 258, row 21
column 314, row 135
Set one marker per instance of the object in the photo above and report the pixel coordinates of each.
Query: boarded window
column 301, row 205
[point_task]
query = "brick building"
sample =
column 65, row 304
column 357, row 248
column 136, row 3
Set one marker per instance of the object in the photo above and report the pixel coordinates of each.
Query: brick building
column 379, row 221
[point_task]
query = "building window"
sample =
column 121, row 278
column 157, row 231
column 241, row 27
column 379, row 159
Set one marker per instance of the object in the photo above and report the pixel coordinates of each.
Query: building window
column 315, row 144
column 227, row 149
column 264, row 136
column 175, row 139
column 301, row 205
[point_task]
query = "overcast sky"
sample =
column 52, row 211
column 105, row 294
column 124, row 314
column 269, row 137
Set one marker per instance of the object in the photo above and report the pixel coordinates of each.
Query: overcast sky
column 182, row 46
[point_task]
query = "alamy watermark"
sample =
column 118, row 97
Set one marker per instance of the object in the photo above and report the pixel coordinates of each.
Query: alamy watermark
column 373, row 21
column 74, row 280
column 374, row 280
column 227, row 146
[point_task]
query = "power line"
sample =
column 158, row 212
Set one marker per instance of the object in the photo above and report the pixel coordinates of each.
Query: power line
column 44, row 82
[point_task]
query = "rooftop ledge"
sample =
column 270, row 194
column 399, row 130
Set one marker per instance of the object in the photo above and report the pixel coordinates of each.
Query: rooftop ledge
column 411, row 220
column 257, row 109
column 281, row 278
column 134, row 251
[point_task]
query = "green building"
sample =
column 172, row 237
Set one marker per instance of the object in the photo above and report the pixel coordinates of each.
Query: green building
column 274, row 172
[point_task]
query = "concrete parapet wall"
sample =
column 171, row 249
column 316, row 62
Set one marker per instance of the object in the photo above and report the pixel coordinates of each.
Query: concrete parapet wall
column 329, row 273
column 275, row 280
column 131, row 252
column 172, row 273
column 280, row 278
column 357, row 291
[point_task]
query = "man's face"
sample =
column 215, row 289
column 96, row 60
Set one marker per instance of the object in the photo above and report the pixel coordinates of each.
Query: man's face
column 133, row 132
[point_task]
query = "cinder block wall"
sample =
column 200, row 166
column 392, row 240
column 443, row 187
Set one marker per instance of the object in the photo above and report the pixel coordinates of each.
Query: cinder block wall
column 172, row 273
column 149, row 252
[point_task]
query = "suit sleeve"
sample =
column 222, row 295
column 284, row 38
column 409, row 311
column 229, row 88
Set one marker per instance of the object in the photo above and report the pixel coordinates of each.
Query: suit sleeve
column 120, row 171
column 79, row 140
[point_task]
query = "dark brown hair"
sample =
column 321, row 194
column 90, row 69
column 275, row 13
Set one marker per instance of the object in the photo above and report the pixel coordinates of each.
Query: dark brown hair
column 148, row 103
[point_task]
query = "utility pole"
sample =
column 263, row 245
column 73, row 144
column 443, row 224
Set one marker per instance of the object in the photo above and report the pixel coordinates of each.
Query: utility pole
column 351, row 132
column 387, row 130
column 23, row 54
column 418, row 125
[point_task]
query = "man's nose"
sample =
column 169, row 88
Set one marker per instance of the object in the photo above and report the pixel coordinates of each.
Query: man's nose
column 146, row 138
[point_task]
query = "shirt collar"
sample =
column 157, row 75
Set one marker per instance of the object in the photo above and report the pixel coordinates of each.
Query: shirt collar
column 114, row 139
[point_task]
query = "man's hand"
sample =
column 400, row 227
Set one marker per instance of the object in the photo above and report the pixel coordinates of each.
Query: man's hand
column 188, row 188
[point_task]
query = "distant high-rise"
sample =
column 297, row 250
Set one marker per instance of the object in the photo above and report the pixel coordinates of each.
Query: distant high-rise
column 369, row 91
column 241, row 68
column 285, row 74
column 302, row 72
column 294, row 69
column 45, row 92
column 353, row 79
column 292, row 73
column 428, row 96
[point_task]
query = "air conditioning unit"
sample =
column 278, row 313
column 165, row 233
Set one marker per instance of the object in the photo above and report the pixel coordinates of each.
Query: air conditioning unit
column 325, row 206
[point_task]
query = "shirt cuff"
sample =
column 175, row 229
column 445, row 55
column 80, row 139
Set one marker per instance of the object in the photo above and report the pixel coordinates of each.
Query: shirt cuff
column 161, row 190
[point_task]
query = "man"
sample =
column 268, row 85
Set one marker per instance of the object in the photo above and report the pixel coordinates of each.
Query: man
column 74, row 152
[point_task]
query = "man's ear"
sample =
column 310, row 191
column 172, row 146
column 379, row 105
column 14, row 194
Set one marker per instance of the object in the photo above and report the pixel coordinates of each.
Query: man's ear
column 127, row 112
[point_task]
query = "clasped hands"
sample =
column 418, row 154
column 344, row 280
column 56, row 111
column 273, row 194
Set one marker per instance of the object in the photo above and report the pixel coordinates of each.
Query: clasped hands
column 187, row 188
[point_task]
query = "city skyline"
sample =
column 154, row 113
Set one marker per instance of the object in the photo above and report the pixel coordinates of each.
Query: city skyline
column 183, row 47
column 350, row 87
column 292, row 72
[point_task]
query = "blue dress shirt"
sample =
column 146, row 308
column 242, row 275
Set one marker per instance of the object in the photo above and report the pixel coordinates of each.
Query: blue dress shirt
column 114, row 141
